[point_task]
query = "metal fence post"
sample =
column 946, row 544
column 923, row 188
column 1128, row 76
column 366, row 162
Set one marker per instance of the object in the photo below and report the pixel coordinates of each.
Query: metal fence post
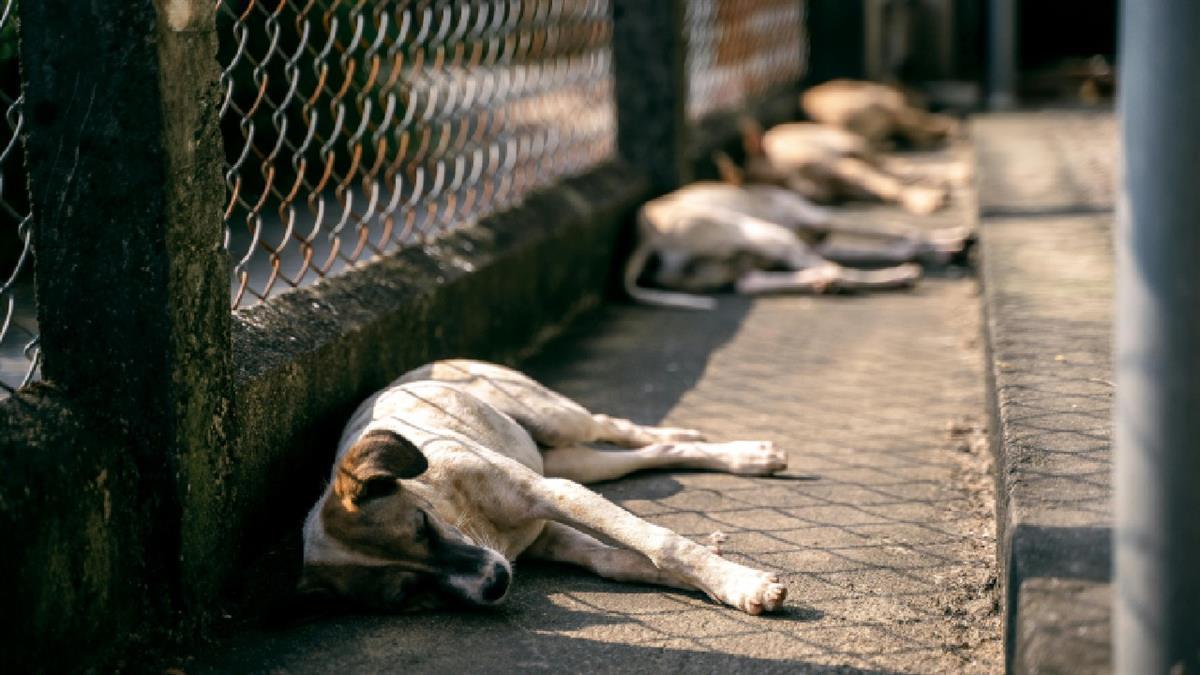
column 132, row 279
column 650, row 51
column 836, row 35
column 1156, row 626
column 1002, row 53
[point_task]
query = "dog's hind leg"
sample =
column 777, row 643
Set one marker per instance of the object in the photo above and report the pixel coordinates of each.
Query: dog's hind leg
column 570, row 503
column 893, row 246
column 629, row 434
column 828, row 278
column 589, row 465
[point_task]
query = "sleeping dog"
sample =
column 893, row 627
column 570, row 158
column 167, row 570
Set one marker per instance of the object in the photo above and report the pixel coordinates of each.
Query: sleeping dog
column 763, row 238
column 878, row 113
column 460, row 467
column 828, row 164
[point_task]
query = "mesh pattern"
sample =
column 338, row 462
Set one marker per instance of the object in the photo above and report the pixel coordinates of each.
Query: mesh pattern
column 19, row 355
column 740, row 49
column 353, row 128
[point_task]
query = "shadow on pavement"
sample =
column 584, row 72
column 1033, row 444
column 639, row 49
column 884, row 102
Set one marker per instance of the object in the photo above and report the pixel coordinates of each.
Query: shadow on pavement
column 671, row 351
column 549, row 625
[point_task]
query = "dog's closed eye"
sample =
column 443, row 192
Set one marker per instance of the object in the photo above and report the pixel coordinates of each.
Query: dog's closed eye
column 422, row 530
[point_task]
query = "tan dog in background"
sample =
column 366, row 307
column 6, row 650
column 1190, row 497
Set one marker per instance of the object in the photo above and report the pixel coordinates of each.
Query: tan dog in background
column 826, row 164
column 460, row 467
column 878, row 113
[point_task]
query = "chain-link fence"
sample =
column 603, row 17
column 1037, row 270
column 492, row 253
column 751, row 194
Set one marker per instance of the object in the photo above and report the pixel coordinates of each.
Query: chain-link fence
column 18, row 317
column 353, row 128
column 741, row 49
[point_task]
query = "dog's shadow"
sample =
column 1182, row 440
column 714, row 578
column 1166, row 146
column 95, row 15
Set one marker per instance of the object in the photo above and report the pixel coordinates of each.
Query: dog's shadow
column 557, row 617
column 552, row 622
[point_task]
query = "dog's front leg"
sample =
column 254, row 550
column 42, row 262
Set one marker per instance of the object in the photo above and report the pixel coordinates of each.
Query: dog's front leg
column 565, row 544
column 570, row 503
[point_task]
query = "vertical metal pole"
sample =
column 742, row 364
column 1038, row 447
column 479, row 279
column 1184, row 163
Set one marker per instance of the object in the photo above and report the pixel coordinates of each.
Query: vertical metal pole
column 836, row 40
column 1156, row 626
column 873, row 38
column 1002, row 53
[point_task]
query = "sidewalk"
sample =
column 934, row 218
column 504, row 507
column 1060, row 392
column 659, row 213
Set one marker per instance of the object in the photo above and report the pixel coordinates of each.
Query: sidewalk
column 881, row 527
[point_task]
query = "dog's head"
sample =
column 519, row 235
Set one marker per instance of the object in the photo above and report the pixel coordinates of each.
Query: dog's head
column 374, row 543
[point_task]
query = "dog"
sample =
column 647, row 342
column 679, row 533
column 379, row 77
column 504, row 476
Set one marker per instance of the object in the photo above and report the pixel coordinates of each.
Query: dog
column 762, row 238
column 826, row 164
column 460, row 467
column 880, row 114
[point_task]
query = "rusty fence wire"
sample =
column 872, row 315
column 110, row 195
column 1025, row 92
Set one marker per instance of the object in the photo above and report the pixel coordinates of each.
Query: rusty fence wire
column 739, row 50
column 355, row 127
column 19, row 354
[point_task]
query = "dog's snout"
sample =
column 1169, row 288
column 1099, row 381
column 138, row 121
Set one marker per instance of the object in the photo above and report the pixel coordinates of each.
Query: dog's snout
column 497, row 585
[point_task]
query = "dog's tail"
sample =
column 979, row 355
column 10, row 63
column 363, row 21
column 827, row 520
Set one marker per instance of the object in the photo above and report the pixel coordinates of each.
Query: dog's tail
column 651, row 296
column 728, row 169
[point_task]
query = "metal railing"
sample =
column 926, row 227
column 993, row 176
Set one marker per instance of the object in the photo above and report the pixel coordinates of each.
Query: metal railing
column 19, row 354
column 355, row 128
column 740, row 49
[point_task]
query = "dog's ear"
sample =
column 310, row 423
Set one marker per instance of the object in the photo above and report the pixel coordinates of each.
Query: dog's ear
column 372, row 466
column 752, row 136
column 727, row 169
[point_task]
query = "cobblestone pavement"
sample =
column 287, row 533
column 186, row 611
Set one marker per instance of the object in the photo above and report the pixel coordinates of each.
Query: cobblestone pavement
column 881, row 527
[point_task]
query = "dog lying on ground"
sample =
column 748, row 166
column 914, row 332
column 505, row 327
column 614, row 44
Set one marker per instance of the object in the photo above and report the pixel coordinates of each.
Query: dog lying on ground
column 827, row 164
column 460, row 467
column 763, row 238
column 878, row 113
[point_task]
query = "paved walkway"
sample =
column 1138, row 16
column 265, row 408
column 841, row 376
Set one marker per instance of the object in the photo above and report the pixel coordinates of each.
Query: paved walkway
column 881, row 527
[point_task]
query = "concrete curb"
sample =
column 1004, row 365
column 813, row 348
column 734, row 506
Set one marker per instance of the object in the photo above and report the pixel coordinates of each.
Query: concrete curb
column 1046, row 277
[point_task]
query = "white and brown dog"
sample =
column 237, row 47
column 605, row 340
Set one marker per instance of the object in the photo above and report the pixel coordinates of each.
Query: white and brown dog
column 766, row 239
column 447, row 476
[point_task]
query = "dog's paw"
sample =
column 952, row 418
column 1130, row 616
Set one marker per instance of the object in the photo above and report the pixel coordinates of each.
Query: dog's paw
column 714, row 542
column 949, row 240
column 923, row 200
column 756, row 592
column 908, row 275
column 751, row 458
column 959, row 173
